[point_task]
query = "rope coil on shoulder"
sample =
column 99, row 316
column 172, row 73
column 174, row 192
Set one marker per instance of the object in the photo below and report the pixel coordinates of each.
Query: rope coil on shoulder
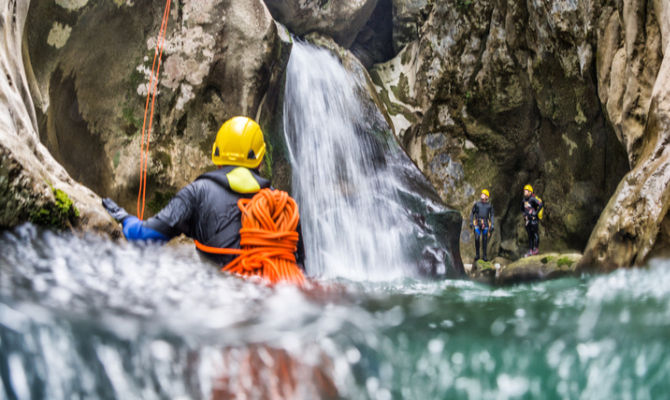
column 269, row 239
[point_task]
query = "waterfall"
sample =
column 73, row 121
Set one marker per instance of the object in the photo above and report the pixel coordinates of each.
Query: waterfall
column 345, row 173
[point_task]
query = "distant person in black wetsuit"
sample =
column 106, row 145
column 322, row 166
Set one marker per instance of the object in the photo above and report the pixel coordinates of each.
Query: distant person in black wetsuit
column 531, row 206
column 481, row 220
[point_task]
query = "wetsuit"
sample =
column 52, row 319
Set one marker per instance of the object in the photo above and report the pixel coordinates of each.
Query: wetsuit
column 531, row 206
column 481, row 219
column 205, row 210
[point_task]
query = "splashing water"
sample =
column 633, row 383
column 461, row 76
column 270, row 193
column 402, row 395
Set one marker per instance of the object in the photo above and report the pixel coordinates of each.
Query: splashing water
column 85, row 317
column 353, row 219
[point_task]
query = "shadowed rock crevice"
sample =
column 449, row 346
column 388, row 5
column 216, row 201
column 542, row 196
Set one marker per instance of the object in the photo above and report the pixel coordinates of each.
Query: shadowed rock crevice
column 69, row 140
column 374, row 44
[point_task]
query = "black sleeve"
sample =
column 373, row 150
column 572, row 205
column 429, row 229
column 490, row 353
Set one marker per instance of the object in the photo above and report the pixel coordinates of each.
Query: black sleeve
column 175, row 218
column 472, row 213
column 491, row 216
column 300, row 252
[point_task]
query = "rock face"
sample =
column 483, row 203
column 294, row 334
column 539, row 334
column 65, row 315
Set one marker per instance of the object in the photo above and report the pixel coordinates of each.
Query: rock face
column 539, row 268
column 530, row 269
column 497, row 94
column 33, row 186
column 634, row 83
column 91, row 63
column 341, row 20
column 572, row 97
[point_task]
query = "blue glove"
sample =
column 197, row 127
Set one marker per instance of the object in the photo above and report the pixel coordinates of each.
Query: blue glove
column 117, row 212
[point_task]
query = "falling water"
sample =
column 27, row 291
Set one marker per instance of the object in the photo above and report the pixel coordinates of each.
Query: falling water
column 354, row 221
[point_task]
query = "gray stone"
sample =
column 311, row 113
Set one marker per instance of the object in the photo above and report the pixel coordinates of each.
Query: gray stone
column 341, row 20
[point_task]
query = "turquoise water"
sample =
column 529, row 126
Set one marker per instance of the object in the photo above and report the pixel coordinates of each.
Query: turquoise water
column 83, row 317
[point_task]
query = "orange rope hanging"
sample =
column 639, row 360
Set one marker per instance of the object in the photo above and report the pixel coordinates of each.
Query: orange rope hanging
column 269, row 239
column 151, row 93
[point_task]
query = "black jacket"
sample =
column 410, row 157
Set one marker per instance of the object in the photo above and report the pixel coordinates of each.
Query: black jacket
column 530, row 207
column 482, row 211
column 206, row 210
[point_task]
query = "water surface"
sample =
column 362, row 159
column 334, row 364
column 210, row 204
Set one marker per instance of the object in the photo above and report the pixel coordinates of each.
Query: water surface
column 83, row 317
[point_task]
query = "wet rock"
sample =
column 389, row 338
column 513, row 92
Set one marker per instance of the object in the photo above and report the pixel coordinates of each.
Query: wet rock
column 538, row 268
column 90, row 83
column 341, row 20
column 483, row 271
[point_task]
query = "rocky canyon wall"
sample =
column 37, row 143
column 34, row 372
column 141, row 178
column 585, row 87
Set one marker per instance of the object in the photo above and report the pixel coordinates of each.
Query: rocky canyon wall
column 570, row 96
column 91, row 64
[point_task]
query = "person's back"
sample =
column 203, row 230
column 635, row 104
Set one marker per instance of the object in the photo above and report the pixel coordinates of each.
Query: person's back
column 207, row 209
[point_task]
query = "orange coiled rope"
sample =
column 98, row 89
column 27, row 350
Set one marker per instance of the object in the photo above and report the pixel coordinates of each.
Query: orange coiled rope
column 151, row 94
column 268, row 239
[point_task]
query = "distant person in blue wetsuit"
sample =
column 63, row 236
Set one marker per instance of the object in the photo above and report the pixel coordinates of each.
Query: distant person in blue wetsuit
column 481, row 220
column 206, row 210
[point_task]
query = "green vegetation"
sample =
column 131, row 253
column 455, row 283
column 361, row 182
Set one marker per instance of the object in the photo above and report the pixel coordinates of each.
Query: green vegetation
column 117, row 159
column 547, row 259
column 484, row 265
column 464, row 4
column 266, row 165
column 131, row 125
column 401, row 91
column 564, row 261
column 59, row 215
column 162, row 158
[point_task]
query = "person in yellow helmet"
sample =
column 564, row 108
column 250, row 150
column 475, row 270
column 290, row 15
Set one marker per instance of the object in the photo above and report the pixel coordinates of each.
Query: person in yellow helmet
column 206, row 210
column 531, row 207
column 481, row 221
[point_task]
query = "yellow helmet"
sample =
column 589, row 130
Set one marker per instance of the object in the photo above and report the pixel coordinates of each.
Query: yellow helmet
column 239, row 142
column 528, row 188
column 486, row 192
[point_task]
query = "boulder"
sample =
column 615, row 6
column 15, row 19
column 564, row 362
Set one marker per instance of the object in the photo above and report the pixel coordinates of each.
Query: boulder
column 539, row 268
column 341, row 20
column 91, row 64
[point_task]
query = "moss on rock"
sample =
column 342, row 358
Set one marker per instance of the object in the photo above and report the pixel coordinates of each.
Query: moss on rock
column 60, row 214
column 539, row 268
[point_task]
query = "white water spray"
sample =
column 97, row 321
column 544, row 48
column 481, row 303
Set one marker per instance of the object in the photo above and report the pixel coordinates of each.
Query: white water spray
column 352, row 220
